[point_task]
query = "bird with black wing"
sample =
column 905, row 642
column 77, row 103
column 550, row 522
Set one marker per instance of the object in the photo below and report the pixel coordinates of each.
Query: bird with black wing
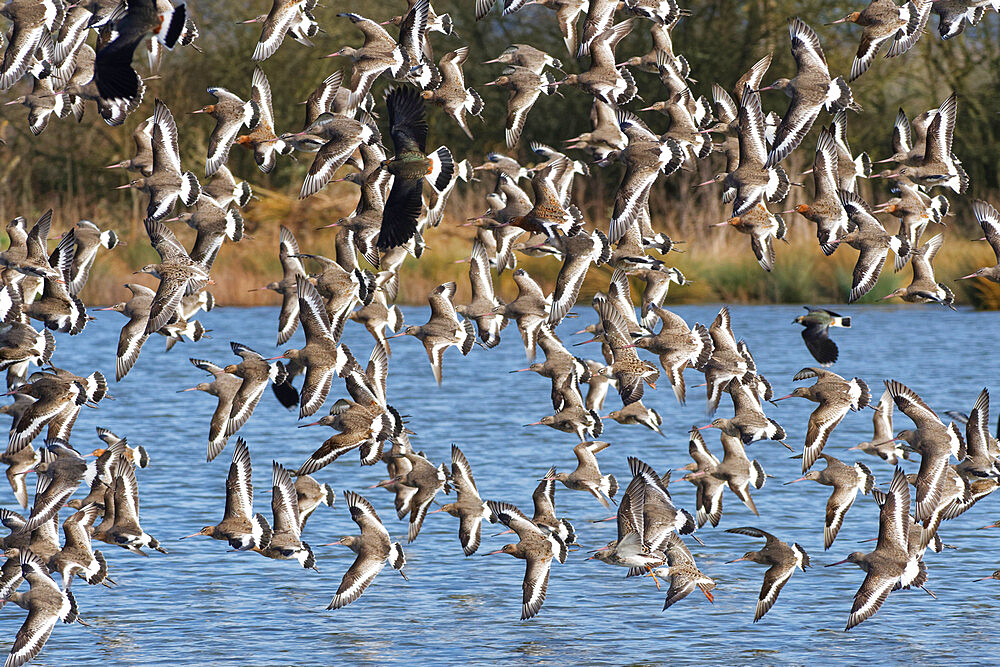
column 113, row 71
column 410, row 165
column 817, row 323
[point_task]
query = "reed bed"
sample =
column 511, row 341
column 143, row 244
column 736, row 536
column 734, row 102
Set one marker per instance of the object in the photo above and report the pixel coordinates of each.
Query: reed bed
column 718, row 262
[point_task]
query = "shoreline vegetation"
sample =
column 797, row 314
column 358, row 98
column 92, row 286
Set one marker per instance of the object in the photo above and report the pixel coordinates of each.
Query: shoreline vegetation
column 718, row 263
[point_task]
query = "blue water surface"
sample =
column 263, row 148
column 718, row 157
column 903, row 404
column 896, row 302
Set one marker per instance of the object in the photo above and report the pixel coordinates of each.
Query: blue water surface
column 201, row 605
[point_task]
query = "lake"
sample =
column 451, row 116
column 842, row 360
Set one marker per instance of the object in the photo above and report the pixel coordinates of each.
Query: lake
column 199, row 604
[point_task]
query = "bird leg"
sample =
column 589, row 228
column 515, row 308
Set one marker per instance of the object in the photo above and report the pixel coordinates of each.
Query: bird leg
column 653, row 575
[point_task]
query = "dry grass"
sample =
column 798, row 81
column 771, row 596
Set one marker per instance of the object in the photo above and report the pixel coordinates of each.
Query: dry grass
column 718, row 261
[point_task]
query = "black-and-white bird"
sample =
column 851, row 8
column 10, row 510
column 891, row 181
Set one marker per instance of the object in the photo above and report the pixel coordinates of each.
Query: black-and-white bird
column 817, row 323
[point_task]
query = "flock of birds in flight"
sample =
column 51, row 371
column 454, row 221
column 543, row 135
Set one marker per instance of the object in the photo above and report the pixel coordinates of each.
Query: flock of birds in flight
column 47, row 50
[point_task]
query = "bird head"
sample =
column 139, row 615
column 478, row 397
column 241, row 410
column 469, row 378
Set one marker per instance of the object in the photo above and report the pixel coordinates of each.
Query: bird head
column 750, row 555
column 718, row 422
column 811, row 475
column 799, row 392
column 853, row 557
column 507, row 549
column 117, row 307
column 849, row 237
column 893, row 294
column 850, row 18
column 325, row 420
column 721, row 176
column 345, row 541
column 342, row 51
column 779, row 84
column 207, row 530
column 136, row 183
column 733, row 221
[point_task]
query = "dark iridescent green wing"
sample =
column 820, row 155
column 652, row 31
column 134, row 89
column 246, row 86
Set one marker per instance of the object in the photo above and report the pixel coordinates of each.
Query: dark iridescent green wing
column 402, row 208
column 822, row 348
column 407, row 120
